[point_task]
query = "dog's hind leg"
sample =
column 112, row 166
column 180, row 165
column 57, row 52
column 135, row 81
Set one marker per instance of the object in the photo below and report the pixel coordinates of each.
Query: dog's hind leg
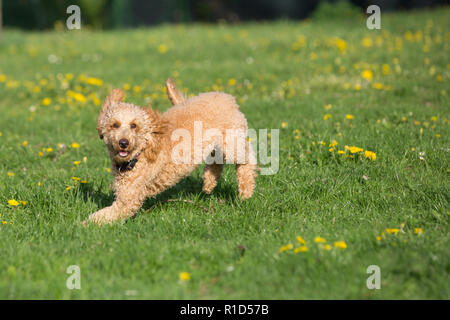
column 246, row 174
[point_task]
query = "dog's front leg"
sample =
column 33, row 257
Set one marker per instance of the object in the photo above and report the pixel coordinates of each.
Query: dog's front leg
column 129, row 199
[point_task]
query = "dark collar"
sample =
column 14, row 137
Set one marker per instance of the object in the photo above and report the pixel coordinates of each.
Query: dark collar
column 126, row 166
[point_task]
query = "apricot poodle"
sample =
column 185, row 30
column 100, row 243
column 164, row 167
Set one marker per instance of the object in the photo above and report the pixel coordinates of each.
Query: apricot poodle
column 151, row 152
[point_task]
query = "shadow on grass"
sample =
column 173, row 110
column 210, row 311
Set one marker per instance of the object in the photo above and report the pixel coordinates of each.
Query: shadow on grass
column 188, row 188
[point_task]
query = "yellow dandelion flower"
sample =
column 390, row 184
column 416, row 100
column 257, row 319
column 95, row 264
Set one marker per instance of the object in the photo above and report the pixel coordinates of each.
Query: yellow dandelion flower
column 83, row 181
column 76, row 162
column 13, row 202
column 385, row 69
column 341, row 152
column 286, row 247
column 126, row 86
column 340, row 244
column 49, row 150
column 76, row 179
column 349, row 116
column 301, row 240
column 184, row 276
column 327, row 116
column 357, row 87
column 69, row 76
column 437, row 135
column 319, row 240
column 39, row 184
column 355, row 149
column 95, row 81
column 370, row 155
column 301, row 249
column 377, row 86
column 11, row 174
column 25, row 143
column 367, row 74
column 23, row 202
column 284, row 124
column 392, row 230
column 418, row 231
column 333, row 143
column 68, row 188
column 433, row 118
column 75, row 145
column 331, row 149
column 162, row 48
column 40, row 154
column 326, row 247
column 232, row 82
column 46, row 101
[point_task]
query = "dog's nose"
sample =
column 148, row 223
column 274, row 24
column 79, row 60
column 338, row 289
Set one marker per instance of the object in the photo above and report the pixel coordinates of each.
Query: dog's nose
column 123, row 143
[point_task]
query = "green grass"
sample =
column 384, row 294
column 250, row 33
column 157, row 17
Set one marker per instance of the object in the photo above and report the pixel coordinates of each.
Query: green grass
column 232, row 251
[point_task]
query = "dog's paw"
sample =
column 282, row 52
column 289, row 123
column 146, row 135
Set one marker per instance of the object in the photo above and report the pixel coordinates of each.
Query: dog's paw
column 103, row 216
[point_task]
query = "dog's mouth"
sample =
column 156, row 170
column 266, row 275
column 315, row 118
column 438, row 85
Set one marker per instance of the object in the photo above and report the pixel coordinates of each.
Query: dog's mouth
column 123, row 154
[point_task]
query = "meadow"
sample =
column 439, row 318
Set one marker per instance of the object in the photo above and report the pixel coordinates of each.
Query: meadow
column 363, row 162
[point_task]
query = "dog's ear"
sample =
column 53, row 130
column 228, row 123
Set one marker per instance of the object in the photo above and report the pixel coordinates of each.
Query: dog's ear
column 158, row 127
column 115, row 96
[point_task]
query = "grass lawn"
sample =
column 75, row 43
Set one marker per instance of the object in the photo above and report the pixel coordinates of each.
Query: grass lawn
column 325, row 85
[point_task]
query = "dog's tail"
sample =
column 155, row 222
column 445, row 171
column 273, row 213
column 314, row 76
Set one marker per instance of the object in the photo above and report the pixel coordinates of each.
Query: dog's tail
column 174, row 94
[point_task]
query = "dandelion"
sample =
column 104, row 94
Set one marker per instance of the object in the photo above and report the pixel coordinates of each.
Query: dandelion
column 49, row 150
column 319, row 240
column 392, row 230
column 126, row 86
column 340, row 244
column 184, row 276
column 333, row 143
column 327, row 116
column 377, row 86
column 75, row 145
column 76, row 179
column 357, row 87
column 284, row 124
column 232, row 82
column 434, row 118
column 46, row 101
column 367, row 74
column 11, row 174
column 341, row 45
column 68, row 188
column 301, row 249
column 25, row 143
column 326, row 247
column 83, row 181
column 301, row 240
column 385, row 69
column 354, row 149
column 39, row 184
column 341, row 152
column 437, row 135
column 286, row 247
column 367, row 42
column 162, row 48
column 76, row 162
column 23, row 202
column 40, row 154
column 328, row 107
column 13, row 202
column 418, row 231
column 370, row 155
column 349, row 116
column 95, row 81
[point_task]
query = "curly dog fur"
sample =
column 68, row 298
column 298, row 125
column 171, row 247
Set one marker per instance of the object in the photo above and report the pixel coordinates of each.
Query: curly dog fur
column 140, row 144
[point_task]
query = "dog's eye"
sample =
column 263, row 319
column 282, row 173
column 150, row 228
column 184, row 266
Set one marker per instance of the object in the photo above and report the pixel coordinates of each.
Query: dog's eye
column 133, row 126
column 116, row 125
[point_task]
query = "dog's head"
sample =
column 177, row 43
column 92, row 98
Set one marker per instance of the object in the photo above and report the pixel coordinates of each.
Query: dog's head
column 129, row 130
